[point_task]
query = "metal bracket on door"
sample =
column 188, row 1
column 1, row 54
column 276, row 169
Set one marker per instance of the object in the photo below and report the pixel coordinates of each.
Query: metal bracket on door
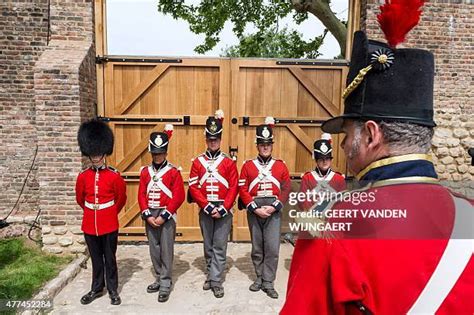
column 163, row 120
column 313, row 63
column 246, row 121
column 299, row 121
column 104, row 59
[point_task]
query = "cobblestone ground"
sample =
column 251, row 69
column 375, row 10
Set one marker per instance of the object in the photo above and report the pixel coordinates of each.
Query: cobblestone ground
column 135, row 273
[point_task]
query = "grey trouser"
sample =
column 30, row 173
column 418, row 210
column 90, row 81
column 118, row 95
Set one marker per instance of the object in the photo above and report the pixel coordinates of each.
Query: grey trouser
column 215, row 233
column 161, row 244
column 265, row 235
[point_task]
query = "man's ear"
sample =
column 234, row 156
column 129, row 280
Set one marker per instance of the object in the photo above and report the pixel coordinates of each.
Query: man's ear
column 374, row 134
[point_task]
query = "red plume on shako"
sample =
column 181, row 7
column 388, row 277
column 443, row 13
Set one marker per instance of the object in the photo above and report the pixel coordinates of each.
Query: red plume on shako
column 397, row 18
column 169, row 130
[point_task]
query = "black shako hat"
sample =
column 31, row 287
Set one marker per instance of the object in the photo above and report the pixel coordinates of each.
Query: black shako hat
column 159, row 141
column 214, row 126
column 322, row 148
column 385, row 83
column 264, row 133
column 95, row 138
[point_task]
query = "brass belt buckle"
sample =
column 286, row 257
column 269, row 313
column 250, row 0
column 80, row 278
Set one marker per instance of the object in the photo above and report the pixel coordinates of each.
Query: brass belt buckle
column 96, row 206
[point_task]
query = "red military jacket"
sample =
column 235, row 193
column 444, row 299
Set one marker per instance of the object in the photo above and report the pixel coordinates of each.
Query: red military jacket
column 264, row 179
column 161, row 188
column 105, row 190
column 331, row 182
column 213, row 178
column 421, row 263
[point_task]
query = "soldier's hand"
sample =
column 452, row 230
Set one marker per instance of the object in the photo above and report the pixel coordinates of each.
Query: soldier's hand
column 261, row 212
column 159, row 221
column 215, row 214
column 269, row 209
column 151, row 221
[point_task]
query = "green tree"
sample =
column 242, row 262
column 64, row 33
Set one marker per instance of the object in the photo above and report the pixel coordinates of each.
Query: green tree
column 276, row 44
column 209, row 16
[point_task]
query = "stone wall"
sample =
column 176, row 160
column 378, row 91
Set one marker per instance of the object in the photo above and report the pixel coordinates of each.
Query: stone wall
column 48, row 89
column 445, row 29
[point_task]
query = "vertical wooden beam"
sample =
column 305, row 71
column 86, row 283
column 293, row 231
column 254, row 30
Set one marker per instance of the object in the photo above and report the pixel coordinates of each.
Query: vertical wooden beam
column 101, row 50
column 352, row 25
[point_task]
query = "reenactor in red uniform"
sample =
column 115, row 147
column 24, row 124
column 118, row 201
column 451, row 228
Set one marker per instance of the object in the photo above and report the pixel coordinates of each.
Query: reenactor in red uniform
column 213, row 186
column 160, row 194
column 101, row 193
column 419, row 261
column 322, row 180
column 264, row 187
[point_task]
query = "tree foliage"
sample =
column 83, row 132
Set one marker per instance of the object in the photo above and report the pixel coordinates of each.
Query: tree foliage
column 209, row 17
column 276, row 44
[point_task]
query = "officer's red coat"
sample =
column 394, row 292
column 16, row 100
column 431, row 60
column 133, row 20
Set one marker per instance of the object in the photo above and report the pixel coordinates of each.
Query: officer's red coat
column 111, row 186
column 387, row 265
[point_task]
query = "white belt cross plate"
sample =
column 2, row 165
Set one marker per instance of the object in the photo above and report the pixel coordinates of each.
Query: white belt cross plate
column 264, row 174
column 212, row 172
column 157, row 180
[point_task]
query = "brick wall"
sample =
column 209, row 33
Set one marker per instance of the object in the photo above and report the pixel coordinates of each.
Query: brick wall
column 446, row 30
column 65, row 95
column 48, row 89
column 23, row 37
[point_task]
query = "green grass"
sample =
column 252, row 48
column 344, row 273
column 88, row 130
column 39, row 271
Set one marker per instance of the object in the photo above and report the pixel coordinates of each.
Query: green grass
column 24, row 269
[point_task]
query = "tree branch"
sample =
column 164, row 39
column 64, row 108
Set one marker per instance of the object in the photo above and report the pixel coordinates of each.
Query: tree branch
column 322, row 11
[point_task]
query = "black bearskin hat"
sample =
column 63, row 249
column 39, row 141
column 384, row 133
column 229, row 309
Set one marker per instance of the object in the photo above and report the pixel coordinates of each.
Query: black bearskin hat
column 95, row 138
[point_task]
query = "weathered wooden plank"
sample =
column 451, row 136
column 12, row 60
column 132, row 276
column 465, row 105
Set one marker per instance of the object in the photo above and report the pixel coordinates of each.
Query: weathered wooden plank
column 315, row 91
column 302, row 137
column 142, row 87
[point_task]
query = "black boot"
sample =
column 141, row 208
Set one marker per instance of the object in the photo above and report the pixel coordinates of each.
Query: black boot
column 256, row 286
column 91, row 296
column 115, row 298
column 271, row 292
column 207, row 285
column 154, row 287
column 163, row 296
column 218, row 292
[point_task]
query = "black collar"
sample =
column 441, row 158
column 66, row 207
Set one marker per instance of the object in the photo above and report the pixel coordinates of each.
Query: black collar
column 322, row 173
column 102, row 167
column 263, row 160
column 158, row 167
column 213, row 155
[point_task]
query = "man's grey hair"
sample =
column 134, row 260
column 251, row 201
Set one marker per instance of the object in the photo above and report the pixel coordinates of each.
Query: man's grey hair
column 404, row 138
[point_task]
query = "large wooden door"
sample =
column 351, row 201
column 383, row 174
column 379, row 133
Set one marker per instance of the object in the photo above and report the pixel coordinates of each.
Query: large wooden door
column 299, row 96
column 142, row 95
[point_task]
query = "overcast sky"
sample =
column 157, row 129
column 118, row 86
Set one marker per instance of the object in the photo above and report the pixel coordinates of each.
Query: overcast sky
column 135, row 27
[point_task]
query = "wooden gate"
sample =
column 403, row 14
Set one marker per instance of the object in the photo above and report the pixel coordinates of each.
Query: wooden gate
column 141, row 95
column 300, row 95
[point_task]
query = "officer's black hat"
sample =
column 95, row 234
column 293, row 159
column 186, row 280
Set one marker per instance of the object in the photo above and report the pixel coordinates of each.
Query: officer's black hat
column 385, row 83
column 159, row 141
column 264, row 133
column 95, row 138
column 214, row 126
column 323, row 147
